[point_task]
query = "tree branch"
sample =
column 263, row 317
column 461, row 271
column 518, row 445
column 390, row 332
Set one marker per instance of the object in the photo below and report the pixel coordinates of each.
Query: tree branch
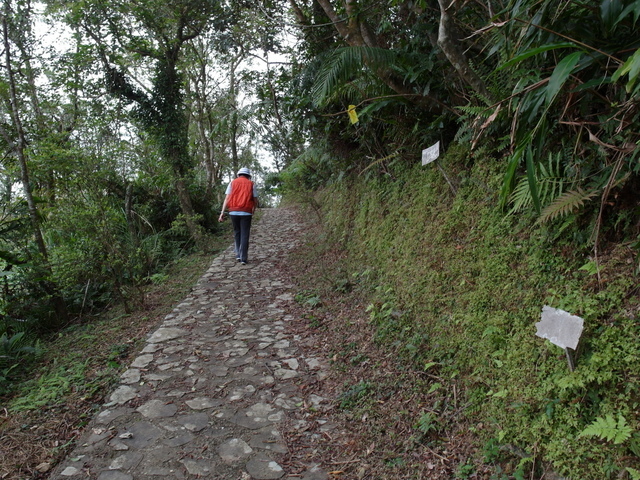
column 338, row 23
column 299, row 14
column 449, row 43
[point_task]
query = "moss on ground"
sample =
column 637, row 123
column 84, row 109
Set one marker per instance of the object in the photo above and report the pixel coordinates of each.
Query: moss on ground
column 455, row 287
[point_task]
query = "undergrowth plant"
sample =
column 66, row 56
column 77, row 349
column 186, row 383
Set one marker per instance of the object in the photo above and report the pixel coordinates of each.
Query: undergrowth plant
column 51, row 387
column 17, row 350
column 610, row 429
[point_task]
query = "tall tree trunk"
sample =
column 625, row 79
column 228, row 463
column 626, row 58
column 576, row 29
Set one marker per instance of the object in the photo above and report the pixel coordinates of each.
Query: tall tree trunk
column 6, row 190
column 128, row 210
column 235, row 162
column 203, row 116
column 174, row 134
column 21, row 144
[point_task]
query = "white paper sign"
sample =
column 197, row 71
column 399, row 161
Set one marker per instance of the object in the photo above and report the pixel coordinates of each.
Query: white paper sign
column 430, row 154
column 560, row 327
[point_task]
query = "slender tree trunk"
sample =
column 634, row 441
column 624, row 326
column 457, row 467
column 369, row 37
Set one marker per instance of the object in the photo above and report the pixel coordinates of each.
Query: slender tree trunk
column 128, row 210
column 7, row 195
column 19, row 148
column 21, row 144
column 450, row 45
column 235, row 162
column 207, row 151
column 201, row 115
column 39, row 119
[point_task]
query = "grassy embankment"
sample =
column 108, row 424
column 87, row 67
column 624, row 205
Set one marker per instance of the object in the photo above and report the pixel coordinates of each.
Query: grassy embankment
column 454, row 289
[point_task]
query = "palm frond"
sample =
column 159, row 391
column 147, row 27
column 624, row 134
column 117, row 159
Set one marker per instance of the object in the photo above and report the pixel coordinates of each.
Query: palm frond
column 566, row 203
column 344, row 64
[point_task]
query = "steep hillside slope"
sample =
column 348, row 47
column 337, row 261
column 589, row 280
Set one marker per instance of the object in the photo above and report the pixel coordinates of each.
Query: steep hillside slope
column 454, row 288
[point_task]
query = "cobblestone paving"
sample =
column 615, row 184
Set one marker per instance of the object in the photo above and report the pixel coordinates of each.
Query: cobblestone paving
column 208, row 394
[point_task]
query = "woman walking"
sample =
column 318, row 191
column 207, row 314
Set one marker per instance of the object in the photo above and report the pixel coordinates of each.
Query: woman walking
column 242, row 200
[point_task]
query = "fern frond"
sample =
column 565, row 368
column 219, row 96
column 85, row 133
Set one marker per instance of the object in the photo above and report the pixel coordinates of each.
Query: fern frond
column 520, row 197
column 476, row 111
column 609, row 429
column 343, row 64
column 633, row 473
column 549, row 181
column 566, row 203
column 379, row 161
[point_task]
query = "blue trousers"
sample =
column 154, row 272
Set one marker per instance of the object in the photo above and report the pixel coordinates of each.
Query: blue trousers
column 241, row 231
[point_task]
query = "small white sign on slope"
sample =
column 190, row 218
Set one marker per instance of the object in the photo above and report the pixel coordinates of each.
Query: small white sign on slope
column 430, row 154
column 560, row 327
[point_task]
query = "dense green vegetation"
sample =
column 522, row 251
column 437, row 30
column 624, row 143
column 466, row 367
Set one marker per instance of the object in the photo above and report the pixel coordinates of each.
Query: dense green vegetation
column 121, row 125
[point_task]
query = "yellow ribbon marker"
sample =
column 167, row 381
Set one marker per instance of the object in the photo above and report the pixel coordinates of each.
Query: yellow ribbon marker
column 353, row 116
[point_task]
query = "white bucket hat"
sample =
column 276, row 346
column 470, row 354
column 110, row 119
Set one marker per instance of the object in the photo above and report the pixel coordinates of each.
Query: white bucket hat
column 244, row 171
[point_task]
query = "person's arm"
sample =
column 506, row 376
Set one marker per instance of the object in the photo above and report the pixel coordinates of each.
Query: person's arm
column 255, row 199
column 224, row 206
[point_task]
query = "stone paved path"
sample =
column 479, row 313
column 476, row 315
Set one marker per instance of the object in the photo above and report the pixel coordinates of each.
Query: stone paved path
column 209, row 392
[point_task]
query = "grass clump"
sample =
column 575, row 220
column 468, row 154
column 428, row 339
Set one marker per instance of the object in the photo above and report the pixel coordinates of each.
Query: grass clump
column 52, row 386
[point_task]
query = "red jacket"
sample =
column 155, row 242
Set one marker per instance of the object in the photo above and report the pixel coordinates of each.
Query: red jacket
column 241, row 197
